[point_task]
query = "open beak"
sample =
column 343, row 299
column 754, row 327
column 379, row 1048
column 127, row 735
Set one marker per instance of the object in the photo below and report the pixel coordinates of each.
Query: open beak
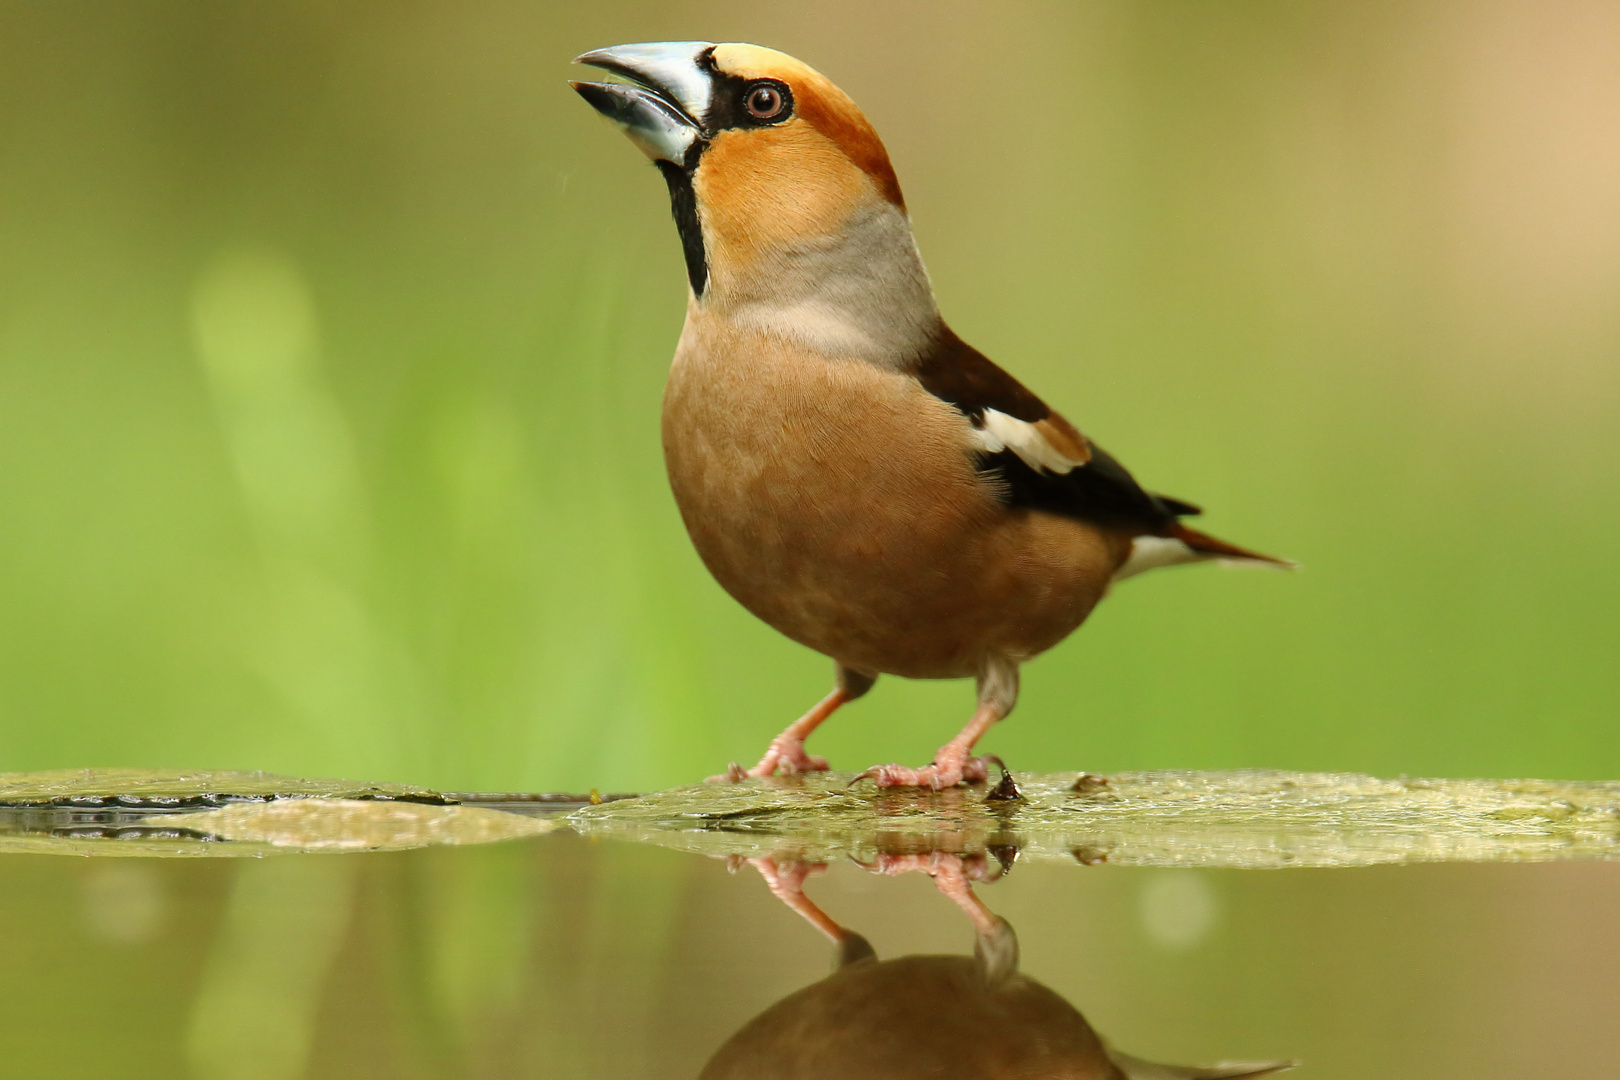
column 662, row 112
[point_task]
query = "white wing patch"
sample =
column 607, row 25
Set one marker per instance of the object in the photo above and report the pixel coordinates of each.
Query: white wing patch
column 1002, row 432
column 1152, row 552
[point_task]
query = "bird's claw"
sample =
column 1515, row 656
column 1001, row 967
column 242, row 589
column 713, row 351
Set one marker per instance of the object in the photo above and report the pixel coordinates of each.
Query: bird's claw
column 785, row 754
column 734, row 772
column 785, row 876
column 891, row 864
column 936, row 777
column 790, row 758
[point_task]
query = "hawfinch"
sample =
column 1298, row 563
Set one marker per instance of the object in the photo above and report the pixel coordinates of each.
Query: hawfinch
column 931, row 1017
column 849, row 469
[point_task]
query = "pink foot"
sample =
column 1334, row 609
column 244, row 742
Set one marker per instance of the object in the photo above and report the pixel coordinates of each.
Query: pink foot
column 785, row 879
column 953, row 876
column 785, row 753
column 939, row 865
column 948, row 770
column 788, row 755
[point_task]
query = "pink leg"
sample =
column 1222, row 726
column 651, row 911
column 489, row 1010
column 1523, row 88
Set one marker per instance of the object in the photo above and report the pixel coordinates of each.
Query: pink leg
column 998, row 693
column 787, row 749
column 951, row 765
column 951, row 880
column 786, row 882
column 953, row 876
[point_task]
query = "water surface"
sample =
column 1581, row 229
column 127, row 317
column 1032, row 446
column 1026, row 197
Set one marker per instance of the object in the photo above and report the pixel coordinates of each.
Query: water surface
column 563, row 954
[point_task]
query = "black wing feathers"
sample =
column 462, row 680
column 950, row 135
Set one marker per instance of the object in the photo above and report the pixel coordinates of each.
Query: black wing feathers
column 956, row 372
column 1101, row 491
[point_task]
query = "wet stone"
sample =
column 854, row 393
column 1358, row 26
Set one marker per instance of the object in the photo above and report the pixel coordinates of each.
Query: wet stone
column 1249, row 819
column 129, row 812
column 1252, row 819
column 161, row 789
column 357, row 825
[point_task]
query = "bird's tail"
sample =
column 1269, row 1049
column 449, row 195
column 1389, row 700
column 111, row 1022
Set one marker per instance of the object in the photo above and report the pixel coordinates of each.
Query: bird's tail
column 1205, row 544
column 1137, row 1069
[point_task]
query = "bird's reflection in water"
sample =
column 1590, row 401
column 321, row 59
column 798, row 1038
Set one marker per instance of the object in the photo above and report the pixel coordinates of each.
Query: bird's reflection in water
column 939, row 1017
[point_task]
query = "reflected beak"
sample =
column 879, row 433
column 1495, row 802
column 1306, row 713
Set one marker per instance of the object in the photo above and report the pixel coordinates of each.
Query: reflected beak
column 662, row 112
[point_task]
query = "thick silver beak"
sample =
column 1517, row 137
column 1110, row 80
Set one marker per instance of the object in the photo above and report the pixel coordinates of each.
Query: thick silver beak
column 663, row 112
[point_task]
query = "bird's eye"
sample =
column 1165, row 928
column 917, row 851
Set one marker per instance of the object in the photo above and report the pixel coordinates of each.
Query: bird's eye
column 764, row 102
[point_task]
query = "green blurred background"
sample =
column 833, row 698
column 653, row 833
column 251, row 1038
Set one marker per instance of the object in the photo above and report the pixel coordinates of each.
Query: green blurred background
column 332, row 337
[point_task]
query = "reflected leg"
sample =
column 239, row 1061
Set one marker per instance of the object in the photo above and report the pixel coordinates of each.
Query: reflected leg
column 786, row 882
column 998, row 693
column 953, row 876
column 786, row 751
column 995, row 945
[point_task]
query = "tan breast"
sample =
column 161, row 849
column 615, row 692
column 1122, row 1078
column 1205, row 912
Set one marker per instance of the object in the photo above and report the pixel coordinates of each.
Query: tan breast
column 839, row 502
column 883, row 1021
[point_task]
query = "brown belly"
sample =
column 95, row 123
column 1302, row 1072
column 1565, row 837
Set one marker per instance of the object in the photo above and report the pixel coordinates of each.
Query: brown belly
column 838, row 502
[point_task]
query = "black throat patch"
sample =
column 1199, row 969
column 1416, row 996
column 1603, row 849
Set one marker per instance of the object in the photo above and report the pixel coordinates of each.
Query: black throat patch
column 727, row 109
column 683, row 204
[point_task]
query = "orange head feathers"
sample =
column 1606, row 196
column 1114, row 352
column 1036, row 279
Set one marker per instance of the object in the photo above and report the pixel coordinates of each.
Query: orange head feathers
column 778, row 182
column 818, row 107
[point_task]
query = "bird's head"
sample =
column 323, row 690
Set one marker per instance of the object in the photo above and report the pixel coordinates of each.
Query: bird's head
column 782, row 191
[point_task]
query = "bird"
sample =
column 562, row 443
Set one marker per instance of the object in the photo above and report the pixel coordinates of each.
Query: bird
column 848, row 468
column 936, row 1016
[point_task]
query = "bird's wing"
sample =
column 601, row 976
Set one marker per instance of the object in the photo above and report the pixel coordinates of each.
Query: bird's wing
column 1035, row 456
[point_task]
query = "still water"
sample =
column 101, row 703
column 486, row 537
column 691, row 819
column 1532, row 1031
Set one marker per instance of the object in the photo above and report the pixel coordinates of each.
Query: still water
column 561, row 955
